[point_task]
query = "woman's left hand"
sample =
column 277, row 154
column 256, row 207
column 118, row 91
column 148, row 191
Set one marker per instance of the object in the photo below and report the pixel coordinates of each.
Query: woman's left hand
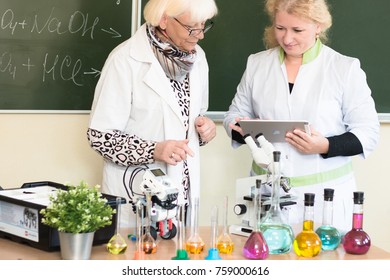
column 314, row 143
column 206, row 128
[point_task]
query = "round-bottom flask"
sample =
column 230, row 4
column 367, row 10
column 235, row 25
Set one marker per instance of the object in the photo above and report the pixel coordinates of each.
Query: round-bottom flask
column 357, row 241
column 148, row 242
column 225, row 243
column 330, row 237
column 307, row 243
column 195, row 244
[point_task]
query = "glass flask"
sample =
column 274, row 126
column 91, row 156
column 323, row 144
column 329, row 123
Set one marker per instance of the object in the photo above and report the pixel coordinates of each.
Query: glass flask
column 139, row 253
column 255, row 246
column 329, row 235
column 181, row 253
column 307, row 243
column 213, row 253
column 195, row 244
column 225, row 244
column 117, row 244
column 148, row 242
column 357, row 241
column 277, row 232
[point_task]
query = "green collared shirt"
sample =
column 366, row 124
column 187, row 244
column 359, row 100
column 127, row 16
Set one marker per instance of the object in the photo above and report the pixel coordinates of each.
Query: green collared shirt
column 308, row 56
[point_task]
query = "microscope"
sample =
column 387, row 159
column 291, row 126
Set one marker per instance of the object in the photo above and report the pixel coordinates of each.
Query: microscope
column 262, row 153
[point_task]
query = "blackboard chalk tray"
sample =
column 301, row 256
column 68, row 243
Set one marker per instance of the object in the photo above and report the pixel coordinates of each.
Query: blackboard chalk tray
column 20, row 218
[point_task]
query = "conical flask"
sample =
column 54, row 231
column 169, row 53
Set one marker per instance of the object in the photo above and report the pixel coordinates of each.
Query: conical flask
column 117, row 244
column 255, row 246
column 277, row 233
column 148, row 242
column 195, row 244
column 225, row 244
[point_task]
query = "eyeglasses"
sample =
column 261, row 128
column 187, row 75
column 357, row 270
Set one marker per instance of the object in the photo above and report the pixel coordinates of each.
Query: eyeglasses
column 196, row 31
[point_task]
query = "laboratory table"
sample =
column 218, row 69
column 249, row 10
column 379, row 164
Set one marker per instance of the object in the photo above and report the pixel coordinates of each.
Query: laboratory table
column 166, row 249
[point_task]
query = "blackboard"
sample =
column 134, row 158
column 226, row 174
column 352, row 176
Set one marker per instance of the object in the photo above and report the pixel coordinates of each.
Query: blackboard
column 360, row 29
column 52, row 51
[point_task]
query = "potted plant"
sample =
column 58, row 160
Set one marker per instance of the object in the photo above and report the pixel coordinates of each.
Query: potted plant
column 77, row 213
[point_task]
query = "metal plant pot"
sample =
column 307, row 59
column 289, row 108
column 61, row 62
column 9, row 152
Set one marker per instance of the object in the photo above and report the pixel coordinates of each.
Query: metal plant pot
column 76, row 246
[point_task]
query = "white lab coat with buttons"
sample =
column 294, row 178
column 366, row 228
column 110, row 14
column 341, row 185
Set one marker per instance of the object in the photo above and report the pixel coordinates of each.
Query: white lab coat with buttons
column 330, row 92
column 134, row 95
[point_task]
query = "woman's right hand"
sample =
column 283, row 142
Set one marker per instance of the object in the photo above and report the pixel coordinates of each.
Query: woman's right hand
column 172, row 151
column 236, row 127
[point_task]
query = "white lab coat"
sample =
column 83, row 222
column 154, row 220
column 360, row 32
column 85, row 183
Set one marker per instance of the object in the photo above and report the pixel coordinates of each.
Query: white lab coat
column 331, row 93
column 134, row 95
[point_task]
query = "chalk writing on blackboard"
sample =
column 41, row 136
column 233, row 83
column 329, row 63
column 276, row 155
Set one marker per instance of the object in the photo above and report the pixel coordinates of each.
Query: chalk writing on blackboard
column 49, row 54
column 66, row 67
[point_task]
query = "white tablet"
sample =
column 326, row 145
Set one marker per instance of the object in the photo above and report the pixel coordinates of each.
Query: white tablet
column 273, row 130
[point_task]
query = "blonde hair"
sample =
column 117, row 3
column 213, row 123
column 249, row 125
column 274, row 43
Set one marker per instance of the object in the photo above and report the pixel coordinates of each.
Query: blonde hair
column 313, row 10
column 200, row 10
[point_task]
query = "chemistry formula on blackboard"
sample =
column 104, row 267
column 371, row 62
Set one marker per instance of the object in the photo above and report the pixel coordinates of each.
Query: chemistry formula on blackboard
column 55, row 51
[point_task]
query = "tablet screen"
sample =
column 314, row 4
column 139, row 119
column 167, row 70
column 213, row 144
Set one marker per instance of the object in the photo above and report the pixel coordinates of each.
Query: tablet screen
column 273, row 130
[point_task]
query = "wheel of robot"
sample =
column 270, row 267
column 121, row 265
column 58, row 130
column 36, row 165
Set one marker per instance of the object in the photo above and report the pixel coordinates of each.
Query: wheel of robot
column 171, row 233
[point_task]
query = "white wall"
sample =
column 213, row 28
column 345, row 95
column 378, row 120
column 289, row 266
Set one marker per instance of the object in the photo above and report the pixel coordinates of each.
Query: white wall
column 53, row 147
column 46, row 147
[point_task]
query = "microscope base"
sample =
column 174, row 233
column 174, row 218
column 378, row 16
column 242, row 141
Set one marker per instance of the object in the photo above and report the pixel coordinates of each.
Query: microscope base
column 240, row 230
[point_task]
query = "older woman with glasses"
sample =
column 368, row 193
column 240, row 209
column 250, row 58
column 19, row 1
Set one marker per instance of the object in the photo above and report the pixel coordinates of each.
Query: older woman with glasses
column 149, row 102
